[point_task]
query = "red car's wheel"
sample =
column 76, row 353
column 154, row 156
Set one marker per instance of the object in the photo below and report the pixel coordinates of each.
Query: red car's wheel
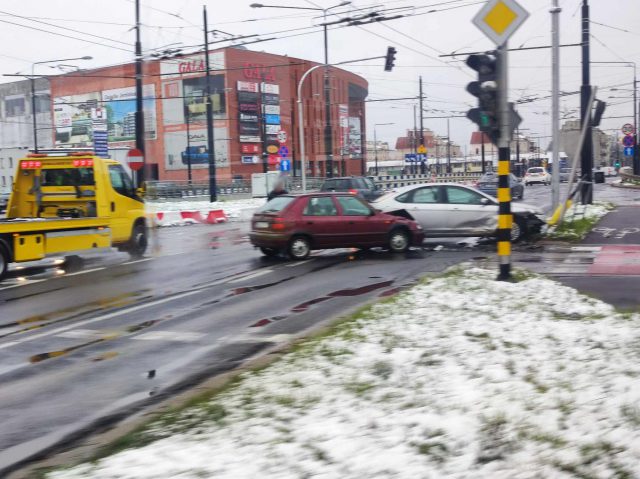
column 398, row 241
column 299, row 247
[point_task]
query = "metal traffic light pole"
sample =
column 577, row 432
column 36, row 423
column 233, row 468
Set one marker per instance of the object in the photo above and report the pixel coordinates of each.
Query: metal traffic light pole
column 505, row 219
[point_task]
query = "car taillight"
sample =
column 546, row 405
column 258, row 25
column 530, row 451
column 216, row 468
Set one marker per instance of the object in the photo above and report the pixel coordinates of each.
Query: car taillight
column 277, row 224
column 353, row 192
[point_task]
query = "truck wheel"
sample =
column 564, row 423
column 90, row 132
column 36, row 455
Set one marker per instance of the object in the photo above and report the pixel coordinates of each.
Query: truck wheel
column 138, row 242
column 4, row 261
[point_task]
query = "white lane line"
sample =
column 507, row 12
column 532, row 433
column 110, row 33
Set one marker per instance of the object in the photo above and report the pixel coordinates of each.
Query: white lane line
column 121, row 312
column 180, row 336
column 298, row 263
column 81, row 334
column 9, row 344
column 24, row 282
column 84, row 271
column 251, row 276
column 142, row 260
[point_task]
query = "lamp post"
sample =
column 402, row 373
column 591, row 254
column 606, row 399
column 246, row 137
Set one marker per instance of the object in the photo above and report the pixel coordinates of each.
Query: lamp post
column 636, row 120
column 33, row 93
column 375, row 143
column 328, row 135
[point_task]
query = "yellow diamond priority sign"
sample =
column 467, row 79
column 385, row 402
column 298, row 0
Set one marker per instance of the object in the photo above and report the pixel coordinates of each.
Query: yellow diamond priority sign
column 499, row 19
column 422, row 149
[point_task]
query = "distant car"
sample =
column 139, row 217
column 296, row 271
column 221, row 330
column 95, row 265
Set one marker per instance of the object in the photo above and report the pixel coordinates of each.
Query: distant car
column 564, row 174
column 537, row 174
column 4, row 201
column 357, row 185
column 451, row 209
column 488, row 183
column 297, row 224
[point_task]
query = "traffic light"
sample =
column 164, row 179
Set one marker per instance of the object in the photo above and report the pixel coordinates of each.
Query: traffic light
column 390, row 58
column 597, row 116
column 486, row 116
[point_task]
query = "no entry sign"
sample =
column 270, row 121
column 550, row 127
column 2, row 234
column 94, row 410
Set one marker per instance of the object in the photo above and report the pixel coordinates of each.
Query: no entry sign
column 135, row 159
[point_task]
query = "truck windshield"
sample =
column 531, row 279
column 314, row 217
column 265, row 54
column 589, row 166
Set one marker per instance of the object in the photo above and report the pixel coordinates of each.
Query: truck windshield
column 67, row 177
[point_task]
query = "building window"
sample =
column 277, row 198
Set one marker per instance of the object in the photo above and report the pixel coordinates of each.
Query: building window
column 43, row 102
column 11, row 163
column 14, row 106
column 4, row 181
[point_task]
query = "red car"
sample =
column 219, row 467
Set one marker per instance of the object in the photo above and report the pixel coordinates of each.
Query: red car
column 301, row 223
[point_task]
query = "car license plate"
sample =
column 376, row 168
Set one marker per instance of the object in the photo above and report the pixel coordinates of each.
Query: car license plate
column 262, row 224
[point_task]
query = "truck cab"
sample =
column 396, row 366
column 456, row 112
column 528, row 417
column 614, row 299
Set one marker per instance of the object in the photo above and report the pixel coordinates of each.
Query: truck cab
column 63, row 202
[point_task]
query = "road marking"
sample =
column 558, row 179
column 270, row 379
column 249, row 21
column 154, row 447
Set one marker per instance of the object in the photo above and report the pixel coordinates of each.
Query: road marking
column 9, row 344
column 180, row 336
column 121, row 312
column 273, row 338
column 298, row 263
column 142, row 260
column 84, row 271
column 251, row 276
column 24, row 282
column 81, row 334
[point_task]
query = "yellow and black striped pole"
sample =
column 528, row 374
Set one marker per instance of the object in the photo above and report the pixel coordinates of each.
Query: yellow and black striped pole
column 505, row 219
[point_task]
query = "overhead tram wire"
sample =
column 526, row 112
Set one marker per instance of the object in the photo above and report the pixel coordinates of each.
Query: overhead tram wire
column 65, row 36
column 63, row 28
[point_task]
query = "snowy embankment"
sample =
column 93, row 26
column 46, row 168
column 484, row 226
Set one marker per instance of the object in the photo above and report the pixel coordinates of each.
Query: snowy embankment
column 460, row 376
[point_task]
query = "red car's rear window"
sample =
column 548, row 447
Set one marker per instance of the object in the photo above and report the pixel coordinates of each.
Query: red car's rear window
column 276, row 205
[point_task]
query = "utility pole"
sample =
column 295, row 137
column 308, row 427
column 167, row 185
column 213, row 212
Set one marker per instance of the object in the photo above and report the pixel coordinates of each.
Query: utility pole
column 448, row 149
column 586, row 163
column 139, row 117
column 328, row 137
column 415, row 165
column 482, row 153
column 213, row 195
column 263, row 127
column 555, row 104
column 636, row 121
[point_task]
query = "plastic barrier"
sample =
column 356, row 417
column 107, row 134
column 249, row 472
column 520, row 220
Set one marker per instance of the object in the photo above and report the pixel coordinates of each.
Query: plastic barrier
column 164, row 218
column 216, row 216
column 192, row 216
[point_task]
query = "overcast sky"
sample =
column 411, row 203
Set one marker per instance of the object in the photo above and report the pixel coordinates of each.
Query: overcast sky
column 35, row 30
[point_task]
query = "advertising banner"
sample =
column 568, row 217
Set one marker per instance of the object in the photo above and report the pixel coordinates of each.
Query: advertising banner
column 272, row 119
column 343, row 125
column 271, row 109
column 179, row 149
column 249, row 129
column 272, row 129
column 248, row 86
column 271, row 88
column 249, row 139
column 270, row 99
column 248, row 118
column 355, row 137
column 72, row 119
column 120, row 105
column 191, row 65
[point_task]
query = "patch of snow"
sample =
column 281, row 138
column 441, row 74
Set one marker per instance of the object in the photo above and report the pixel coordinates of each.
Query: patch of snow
column 461, row 376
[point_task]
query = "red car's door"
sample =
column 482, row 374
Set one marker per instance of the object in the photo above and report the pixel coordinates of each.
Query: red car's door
column 320, row 219
column 363, row 227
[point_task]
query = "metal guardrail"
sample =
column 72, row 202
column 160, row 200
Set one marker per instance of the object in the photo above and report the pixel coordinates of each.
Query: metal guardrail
column 183, row 189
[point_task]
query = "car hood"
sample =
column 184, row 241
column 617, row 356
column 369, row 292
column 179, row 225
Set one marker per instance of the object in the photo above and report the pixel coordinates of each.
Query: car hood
column 525, row 208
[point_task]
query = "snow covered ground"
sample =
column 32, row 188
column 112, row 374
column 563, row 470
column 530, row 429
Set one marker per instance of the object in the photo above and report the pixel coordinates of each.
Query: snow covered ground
column 458, row 377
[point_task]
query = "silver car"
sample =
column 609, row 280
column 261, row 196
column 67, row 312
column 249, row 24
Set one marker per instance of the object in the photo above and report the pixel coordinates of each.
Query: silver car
column 451, row 209
column 4, row 201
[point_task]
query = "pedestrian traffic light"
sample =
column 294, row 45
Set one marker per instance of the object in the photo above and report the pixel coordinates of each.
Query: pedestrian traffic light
column 486, row 115
column 390, row 59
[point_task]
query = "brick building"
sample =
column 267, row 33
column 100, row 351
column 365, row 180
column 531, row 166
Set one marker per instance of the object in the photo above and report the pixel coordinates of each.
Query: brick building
column 243, row 84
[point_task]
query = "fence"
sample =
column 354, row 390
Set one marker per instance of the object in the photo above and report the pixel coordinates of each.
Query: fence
column 159, row 190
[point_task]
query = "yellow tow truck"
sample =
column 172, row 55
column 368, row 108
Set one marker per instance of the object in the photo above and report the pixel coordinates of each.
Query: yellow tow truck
column 69, row 202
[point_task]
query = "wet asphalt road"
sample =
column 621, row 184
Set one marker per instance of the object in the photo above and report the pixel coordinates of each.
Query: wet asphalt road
column 82, row 343
column 94, row 339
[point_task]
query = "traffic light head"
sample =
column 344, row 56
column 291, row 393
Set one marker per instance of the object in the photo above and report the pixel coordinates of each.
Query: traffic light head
column 390, row 59
column 597, row 116
column 485, row 89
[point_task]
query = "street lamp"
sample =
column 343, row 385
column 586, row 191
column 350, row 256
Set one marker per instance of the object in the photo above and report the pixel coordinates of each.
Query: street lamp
column 33, row 93
column 636, row 120
column 328, row 136
column 375, row 143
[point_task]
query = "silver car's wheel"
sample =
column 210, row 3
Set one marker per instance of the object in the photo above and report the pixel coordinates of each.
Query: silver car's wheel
column 299, row 248
column 518, row 230
column 398, row 241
